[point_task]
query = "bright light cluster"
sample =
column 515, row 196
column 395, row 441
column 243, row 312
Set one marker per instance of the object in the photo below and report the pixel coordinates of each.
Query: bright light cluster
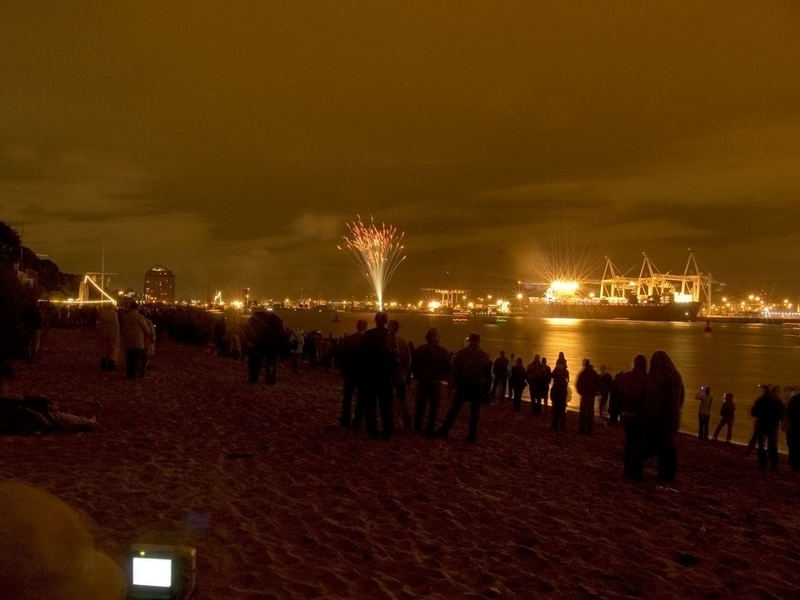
column 562, row 287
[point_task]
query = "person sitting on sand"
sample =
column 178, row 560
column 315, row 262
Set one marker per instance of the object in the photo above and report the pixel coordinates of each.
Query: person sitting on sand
column 472, row 375
column 663, row 402
column 38, row 414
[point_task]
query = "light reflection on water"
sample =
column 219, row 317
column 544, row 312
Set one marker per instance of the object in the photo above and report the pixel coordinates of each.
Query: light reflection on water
column 734, row 357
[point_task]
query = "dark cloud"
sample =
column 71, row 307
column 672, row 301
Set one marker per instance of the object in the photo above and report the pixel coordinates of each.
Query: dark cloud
column 233, row 142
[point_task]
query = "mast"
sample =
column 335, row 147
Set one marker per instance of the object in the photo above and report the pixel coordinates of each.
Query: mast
column 103, row 266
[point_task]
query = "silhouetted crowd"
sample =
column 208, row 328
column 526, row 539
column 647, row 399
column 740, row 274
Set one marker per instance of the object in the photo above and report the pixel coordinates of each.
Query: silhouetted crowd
column 383, row 375
column 381, row 371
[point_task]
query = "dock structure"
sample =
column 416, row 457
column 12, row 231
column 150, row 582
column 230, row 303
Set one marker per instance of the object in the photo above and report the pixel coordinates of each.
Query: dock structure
column 692, row 286
column 448, row 298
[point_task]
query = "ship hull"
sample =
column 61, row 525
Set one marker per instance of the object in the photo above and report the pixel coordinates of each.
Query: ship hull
column 633, row 312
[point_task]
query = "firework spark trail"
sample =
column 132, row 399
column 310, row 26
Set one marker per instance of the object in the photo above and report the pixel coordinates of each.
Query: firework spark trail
column 376, row 251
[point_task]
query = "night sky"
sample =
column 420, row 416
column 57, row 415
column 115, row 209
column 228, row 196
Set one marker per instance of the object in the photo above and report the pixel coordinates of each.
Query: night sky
column 232, row 141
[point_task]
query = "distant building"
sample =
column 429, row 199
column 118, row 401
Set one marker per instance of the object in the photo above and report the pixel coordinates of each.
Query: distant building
column 159, row 285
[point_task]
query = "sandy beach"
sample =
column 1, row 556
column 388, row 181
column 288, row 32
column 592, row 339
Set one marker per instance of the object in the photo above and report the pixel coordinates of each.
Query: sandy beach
column 281, row 502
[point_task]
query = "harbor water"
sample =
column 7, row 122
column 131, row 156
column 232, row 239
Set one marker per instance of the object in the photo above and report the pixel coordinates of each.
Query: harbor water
column 733, row 357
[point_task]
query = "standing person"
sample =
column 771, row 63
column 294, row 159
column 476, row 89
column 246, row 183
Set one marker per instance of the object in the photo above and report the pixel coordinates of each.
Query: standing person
column 629, row 391
column 431, row 367
column 558, row 397
column 630, row 388
column 587, row 385
column 296, row 343
column 518, row 381
column 472, row 372
column 704, row 411
column 606, row 383
column 500, row 374
column 265, row 340
column 401, row 374
column 377, row 365
column 533, row 372
column 348, row 366
column 221, row 335
column 543, row 384
column 726, row 412
column 615, row 400
column 327, row 348
column 512, row 358
column 768, row 411
column 133, row 331
column 234, row 329
column 108, row 329
column 149, row 345
column 311, row 347
column 661, row 413
column 32, row 328
column 792, row 427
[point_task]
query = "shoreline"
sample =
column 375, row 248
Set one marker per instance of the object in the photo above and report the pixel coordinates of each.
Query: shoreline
column 281, row 502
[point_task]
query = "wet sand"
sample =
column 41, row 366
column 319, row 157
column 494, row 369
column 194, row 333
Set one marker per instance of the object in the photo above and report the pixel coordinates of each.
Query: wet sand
column 281, row 503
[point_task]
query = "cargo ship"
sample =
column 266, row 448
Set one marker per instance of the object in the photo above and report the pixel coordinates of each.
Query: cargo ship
column 652, row 296
column 599, row 309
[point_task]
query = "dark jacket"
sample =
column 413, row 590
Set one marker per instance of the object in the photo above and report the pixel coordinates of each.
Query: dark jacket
column 768, row 411
column 588, row 382
column 378, row 356
column 472, row 366
column 431, row 362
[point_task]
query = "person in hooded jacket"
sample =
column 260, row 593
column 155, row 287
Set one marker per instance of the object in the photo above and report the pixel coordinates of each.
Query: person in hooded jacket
column 661, row 413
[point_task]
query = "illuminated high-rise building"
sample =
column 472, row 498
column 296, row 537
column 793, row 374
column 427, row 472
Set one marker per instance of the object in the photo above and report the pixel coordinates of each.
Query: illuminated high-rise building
column 159, row 285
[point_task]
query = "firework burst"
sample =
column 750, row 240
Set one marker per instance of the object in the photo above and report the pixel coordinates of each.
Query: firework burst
column 377, row 251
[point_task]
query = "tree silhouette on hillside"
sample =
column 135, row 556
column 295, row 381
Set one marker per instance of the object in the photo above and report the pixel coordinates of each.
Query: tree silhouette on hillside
column 9, row 243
